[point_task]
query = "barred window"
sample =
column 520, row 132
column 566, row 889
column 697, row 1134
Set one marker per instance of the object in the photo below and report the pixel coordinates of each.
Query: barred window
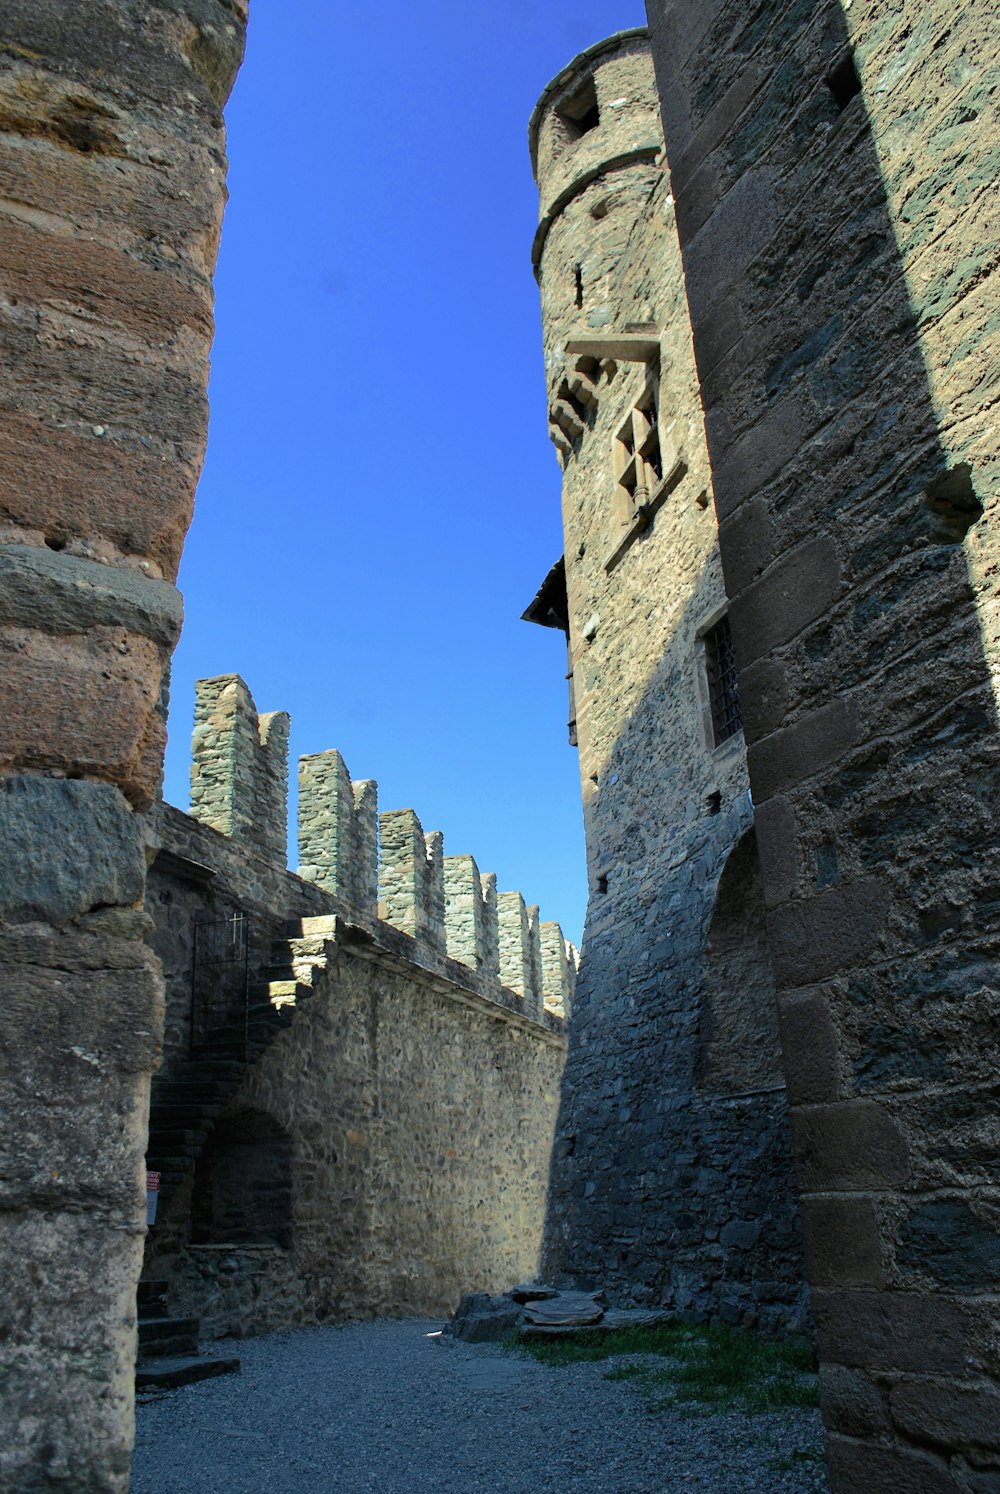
column 720, row 667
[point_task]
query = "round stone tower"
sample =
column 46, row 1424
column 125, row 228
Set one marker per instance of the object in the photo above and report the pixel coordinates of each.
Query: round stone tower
column 596, row 146
column 671, row 1181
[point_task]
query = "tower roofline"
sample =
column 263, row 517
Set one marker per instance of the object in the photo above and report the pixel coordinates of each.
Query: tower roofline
column 580, row 63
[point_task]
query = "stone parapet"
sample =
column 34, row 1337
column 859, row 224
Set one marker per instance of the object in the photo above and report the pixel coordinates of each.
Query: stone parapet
column 239, row 766
column 380, row 867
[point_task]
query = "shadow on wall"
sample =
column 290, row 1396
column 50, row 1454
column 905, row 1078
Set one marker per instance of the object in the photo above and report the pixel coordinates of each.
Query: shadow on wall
column 672, row 1179
column 243, row 1184
column 837, row 276
column 738, row 1044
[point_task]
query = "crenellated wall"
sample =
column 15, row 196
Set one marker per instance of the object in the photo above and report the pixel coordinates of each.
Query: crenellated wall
column 380, row 866
column 406, row 1031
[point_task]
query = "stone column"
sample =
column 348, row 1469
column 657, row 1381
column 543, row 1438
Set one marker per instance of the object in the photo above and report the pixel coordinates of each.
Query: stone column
column 112, row 182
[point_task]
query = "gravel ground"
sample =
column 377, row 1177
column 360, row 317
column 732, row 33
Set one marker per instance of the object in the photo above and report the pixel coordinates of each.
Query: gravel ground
column 383, row 1406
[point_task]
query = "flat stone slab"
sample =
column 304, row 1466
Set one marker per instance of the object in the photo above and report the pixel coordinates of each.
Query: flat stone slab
column 531, row 1291
column 566, row 1309
column 613, row 1319
column 169, row 1373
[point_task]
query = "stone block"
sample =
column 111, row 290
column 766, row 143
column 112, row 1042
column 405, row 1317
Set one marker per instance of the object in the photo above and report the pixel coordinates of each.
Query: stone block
column 843, row 1248
column 735, row 233
column 905, row 1332
column 746, row 545
column 66, row 1414
column 796, row 589
column 852, row 1402
column 813, row 742
column 857, row 1466
column 66, row 847
column 852, row 1145
column 809, row 1048
column 61, row 593
column 777, row 849
column 950, row 1413
column 83, row 704
column 819, row 936
column 763, row 699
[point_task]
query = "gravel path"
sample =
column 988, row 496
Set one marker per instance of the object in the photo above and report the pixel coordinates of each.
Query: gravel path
column 383, row 1406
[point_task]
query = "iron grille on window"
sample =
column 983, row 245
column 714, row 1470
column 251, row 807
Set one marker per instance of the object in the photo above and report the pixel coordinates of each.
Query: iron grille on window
column 722, row 692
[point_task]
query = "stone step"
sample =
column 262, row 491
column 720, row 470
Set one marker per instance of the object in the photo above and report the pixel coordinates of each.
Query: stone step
column 176, row 1143
column 209, row 1067
column 197, row 1091
column 168, row 1115
column 151, row 1299
column 183, row 1370
column 167, row 1338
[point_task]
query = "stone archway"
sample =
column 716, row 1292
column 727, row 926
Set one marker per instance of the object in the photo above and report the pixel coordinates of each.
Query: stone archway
column 738, row 1043
column 243, row 1184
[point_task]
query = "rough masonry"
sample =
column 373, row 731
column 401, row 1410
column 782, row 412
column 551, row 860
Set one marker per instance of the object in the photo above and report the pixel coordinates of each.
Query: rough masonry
column 832, row 182
column 362, row 1061
column 112, row 181
column 672, row 1178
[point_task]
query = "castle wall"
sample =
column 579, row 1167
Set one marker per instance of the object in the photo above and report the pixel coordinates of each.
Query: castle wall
column 834, row 175
column 400, row 1115
column 112, row 174
column 672, row 1176
column 421, row 1130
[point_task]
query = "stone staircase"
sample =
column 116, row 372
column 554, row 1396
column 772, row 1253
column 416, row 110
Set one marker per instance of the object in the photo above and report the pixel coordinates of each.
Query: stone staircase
column 186, row 1104
column 187, row 1101
column 168, row 1347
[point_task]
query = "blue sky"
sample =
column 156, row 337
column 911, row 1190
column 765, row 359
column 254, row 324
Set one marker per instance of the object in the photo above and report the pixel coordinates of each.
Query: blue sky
column 380, row 499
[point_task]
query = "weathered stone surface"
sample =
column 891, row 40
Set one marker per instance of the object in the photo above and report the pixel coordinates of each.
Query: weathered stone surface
column 417, row 1094
column 671, row 1178
column 480, row 1318
column 966, row 1417
column 530, row 1291
column 60, row 593
column 111, row 192
column 65, row 848
column 565, row 1310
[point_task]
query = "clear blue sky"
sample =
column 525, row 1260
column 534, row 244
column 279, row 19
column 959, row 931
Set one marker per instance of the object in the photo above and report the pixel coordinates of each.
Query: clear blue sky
column 380, row 500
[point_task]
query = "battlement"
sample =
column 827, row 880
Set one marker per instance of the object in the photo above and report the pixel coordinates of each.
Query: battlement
column 381, row 866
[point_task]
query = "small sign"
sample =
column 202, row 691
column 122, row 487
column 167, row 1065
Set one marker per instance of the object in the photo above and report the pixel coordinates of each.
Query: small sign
column 152, row 1195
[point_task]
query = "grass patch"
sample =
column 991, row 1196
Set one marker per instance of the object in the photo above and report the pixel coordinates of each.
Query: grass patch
column 714, row 1368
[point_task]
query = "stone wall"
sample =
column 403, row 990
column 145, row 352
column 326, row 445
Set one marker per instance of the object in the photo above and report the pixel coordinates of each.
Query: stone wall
column 113, row 170
column 387, row 1142
column 834, row 175
column 672, row 1176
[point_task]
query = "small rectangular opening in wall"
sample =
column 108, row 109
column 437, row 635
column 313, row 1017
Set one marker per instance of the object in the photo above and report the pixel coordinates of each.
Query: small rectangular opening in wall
column 720, row 668
column 580, row 111
column 578, row 281
column 601, row 884
column 844, row 82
